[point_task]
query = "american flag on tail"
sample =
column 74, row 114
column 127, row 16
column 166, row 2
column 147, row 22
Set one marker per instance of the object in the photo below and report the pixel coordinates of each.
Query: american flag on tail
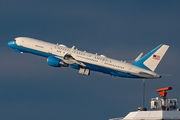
column 156, row 57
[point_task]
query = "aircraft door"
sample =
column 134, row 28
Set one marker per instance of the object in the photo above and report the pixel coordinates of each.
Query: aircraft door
column 130, row 69
column 50, row 50
column 20, row 42
column 103, row 60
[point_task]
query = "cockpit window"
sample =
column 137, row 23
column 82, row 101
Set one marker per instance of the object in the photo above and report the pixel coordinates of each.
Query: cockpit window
column 14, row 40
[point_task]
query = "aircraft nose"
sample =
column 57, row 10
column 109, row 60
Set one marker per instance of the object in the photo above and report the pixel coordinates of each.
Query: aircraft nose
column 11, row 43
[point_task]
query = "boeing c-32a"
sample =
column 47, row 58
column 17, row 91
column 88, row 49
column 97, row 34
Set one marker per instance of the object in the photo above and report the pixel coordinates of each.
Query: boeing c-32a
column 59, row 55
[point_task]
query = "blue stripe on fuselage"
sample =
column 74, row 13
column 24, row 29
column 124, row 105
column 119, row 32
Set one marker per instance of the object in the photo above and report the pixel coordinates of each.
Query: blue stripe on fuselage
column 109, row 71
column 13, row 45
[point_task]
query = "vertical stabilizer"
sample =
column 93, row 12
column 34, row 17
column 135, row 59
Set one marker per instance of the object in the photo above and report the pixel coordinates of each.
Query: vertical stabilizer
column 152, row 59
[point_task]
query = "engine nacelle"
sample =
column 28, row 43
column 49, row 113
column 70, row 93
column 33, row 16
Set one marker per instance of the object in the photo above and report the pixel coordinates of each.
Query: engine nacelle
column 56, row 62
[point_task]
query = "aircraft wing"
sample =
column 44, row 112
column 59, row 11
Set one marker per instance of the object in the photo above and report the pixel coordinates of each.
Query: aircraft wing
column 69, row 59
column 72, row 61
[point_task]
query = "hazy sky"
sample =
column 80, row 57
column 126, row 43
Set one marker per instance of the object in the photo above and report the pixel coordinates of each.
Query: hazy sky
column 32, row 90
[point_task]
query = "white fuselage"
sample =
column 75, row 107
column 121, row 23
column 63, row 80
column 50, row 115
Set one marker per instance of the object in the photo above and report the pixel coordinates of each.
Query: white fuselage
column 103, row 64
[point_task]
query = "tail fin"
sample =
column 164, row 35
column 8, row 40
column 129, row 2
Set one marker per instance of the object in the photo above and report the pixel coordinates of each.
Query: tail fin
column 152, row 59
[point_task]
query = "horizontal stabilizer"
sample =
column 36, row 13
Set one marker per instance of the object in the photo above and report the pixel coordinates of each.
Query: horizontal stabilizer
column 138, row 57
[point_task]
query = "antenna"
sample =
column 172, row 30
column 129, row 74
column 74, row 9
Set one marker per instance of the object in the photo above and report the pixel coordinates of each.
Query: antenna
column 143, row 108
column 143, row 99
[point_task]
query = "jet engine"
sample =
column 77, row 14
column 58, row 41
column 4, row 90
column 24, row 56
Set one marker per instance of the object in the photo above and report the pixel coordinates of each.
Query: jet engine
column 56, row 62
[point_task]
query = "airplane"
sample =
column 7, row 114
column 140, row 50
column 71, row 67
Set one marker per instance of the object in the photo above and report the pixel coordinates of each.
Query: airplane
column 59, row 55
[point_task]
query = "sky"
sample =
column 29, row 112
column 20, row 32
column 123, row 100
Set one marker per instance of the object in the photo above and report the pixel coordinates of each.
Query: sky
column 32, row 90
